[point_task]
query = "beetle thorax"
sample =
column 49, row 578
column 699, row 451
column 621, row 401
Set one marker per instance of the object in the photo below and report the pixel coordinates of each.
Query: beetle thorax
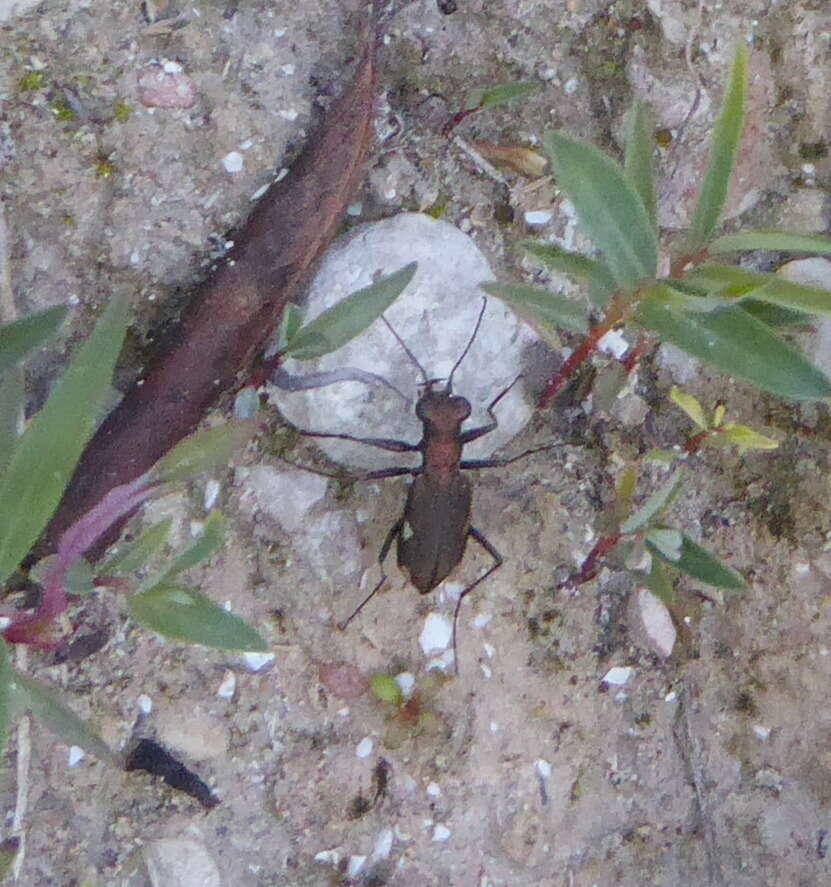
column 442, row 412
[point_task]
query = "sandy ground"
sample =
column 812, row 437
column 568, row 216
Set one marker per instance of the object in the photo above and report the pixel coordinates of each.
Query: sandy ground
column 709, row 768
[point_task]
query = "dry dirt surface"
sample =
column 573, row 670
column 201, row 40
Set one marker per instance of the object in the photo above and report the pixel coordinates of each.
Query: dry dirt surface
column 133, row 138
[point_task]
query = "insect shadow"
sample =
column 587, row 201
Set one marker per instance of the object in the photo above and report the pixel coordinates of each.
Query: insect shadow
column 435, row 526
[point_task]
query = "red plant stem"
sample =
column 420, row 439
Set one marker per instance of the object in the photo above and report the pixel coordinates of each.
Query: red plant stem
column 693, row 445
column 580, row 354
column 633, row 358
column 589, row 567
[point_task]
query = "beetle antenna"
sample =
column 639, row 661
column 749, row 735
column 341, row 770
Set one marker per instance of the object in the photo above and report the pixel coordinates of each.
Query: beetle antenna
column 407, row 351
column 469, row 344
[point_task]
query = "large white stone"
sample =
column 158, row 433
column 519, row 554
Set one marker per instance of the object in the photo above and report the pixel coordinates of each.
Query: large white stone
column 435, row 317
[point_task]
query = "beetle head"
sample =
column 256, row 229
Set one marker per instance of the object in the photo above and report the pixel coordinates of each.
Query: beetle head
column 443, row 410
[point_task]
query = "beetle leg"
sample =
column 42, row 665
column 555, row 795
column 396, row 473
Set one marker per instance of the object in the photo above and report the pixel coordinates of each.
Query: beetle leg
column 383, row 443
column 497, row 563
column 474, row 433
column 393, row 534
column 499, row 463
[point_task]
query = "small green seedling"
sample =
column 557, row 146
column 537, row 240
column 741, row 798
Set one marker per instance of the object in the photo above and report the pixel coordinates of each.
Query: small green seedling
column 408, row 716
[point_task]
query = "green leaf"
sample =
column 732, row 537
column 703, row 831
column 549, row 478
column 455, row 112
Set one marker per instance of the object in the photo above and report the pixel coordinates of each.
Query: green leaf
column 6, row 695
column 740, row 345
column 662, row 457
column 667, row 541
column 658, row 582
column 46, row 706
column 184, row 614
column 386, row 689
column 700, row 564
column 350, row 317
column 745, row 438
column 208, row 541
column 655, row 505
column 289, row 325
column 726, row 136
column 637, row 164
column 12, row 399
column 203, row 451
column 541, row 307
column 608, row 207
column 780, row 241
column 601, row 286
column 728, row 280
column 46, row 453
column 135, row 555
column 17, row 339
column 773, row 315
column 79, row 579
column 690, row 406
column 500, row 94
column 555, row 258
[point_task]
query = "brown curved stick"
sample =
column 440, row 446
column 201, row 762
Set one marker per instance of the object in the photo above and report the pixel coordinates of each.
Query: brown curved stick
column 231, row 314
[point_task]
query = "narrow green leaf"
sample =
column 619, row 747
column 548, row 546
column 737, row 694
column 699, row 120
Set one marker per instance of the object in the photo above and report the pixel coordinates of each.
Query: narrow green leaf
column 184, row 614
column 601, row 286
column 386, row 689
column 501, row 94
column 46, row 706
column 350, row 317
column 690, row 406
column 658, row 582
column 46, row 453
column 12, row 398
column 740, row 345
column 781, row 241
column 667, row 541
column 135, row 555
column 637, row 164
column 79, row 579
column 773, row 315
column 695, row 561
column 608, row 207
column 745, row 438
column 6, row 695
column 663, row 457
column 22, row 336
column 203, row 451
column 208, row 541
column 555, row 258
column 726, row 136
column 541, row 307
column 289, row 325
column 737, row 283
column 655, row 505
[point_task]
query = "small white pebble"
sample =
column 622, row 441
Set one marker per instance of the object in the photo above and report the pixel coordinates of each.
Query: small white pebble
column 343, row 712
column 353, row 867
column 537, row 217
column 227, row 686
column 618, row 675
column 762, row 732
column 284, row 171
column 570, row 86
column 364, row 747
column 279, row 32
column 75, row 756
column 543, row 768
column 328, row 857
column 289, row 114
column 212, row 488
column 621, row 696
column 145, row 704
column 823, row 651
column 441, row 833
column 383, row 844
column 436, row 634
column 441, row 663
column 135, row 257
column 233, row 161
column 288, row 69
column 406, row 682
column 433, row 789
column 493, row 727
column 671, row 696
column 257, row 661
column 481, row 620
column 172, row 67
column 450, row 591
column 197, row 527
column 486, row 670
column 801, row 569
column 489, row 650
column 614, row 343
column 260, row 191
column 354, row 209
